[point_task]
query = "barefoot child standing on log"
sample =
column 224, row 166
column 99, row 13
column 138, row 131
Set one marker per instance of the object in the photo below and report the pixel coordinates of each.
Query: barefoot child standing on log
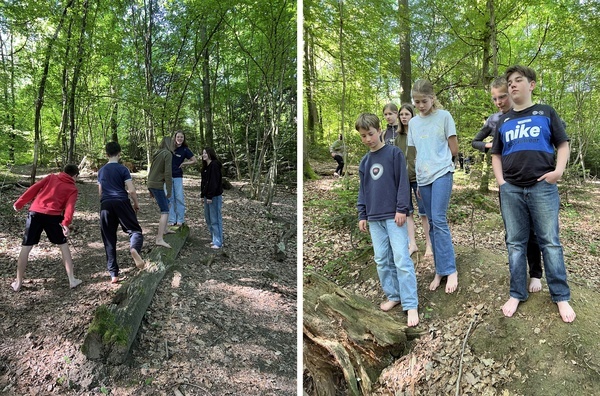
column 52, row 211
column 160, row 177
column 114, row 183
column 383, row 198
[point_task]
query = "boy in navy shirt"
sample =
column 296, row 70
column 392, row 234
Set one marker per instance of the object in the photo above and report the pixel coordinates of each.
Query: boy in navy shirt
column 527, row 173
column 383, row 198
column 114, row 183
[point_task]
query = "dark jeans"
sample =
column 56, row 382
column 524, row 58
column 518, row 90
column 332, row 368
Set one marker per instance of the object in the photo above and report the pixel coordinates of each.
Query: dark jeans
column 112, row 214
column 340, row 161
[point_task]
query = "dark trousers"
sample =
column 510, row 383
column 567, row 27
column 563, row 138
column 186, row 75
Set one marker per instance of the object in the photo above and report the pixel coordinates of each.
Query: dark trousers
column 340, row 161
column 534, row 255
column 113, row 214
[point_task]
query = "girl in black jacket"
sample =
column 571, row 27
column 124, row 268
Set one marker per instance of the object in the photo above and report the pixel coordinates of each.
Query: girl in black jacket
column 212, row 195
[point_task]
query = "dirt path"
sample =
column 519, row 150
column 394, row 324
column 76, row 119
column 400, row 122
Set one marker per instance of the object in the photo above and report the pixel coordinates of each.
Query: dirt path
column 215, row 327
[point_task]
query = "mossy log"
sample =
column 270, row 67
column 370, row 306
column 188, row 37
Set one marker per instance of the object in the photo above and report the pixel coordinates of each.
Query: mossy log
column 348, row 341
column 115, row 325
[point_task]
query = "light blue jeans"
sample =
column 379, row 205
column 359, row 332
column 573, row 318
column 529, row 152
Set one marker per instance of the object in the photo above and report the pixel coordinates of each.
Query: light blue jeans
column 536, row 205
column 177, row 202
column 394, row 266
column 436, row 197
column 214, row 219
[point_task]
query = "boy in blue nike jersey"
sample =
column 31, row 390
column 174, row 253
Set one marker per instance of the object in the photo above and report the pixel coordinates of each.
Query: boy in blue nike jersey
column 523, row 161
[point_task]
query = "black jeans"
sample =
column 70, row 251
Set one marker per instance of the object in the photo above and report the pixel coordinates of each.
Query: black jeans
column 113, row 214
column 340, row 161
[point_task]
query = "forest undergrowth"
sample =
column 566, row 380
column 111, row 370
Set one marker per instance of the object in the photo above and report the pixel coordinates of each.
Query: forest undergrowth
column 470, row 348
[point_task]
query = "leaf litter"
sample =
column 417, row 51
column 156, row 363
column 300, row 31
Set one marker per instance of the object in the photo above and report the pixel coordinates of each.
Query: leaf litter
column 220, row 323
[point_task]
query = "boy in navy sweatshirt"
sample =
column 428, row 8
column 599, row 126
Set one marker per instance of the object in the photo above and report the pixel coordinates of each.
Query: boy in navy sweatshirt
column 383, row 198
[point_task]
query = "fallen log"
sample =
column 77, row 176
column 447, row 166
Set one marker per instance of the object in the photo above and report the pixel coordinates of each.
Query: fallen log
column 115, row 325
column 348, row 341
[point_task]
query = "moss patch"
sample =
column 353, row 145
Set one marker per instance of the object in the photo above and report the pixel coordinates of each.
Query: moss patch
column 105, row 325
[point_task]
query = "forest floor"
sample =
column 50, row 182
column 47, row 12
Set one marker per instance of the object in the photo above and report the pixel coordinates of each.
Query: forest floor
column 220, row 323
column 532, row 353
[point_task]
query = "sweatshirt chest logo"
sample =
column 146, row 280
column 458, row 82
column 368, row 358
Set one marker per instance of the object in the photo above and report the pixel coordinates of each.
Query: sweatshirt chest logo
column 376, row 171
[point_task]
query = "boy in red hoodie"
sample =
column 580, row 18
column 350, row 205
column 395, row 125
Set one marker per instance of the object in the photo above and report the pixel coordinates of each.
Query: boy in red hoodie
column 52, row 210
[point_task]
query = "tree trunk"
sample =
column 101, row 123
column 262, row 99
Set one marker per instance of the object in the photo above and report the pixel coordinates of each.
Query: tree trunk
column 313, row 125
column 114, row 327
column 405, row 60
column 149, row 79
column 347, row 340
column 343, row 70
column 206, row 99
column 39, row 101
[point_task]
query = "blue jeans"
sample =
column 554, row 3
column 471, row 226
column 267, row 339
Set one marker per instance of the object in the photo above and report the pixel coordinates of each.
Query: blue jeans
column 394, row 266
column 436, row 197
column 214, row 219
column 176, row 202
column 538, row 203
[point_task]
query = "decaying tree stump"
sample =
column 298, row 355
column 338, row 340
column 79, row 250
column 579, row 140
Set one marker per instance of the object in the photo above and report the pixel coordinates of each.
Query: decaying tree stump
column 348, row 341
column 115, row 325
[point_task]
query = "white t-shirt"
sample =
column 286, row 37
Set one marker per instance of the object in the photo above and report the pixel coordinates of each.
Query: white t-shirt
column 429, row 135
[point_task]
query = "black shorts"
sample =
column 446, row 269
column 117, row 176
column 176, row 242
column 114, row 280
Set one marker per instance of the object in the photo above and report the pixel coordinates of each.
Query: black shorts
column 38, row 222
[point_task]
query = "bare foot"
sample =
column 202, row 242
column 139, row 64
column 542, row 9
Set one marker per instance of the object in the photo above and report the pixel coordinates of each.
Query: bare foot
column 169, row 231
column 535, row 285
column 161, row 242
column 137, row 258
column 413, row 317
column 435, row 283
column 387, row 305
column 566, row 312
column 117, row 279
column 74, row 283
column 16, row 286
column 412, row 249
column 428, row 251
column 510, row 307
column 452, row 283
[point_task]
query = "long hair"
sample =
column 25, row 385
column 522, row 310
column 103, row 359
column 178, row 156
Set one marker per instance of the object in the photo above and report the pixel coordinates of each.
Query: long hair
column 165, row 144
column 403, row 130
column 425, row 88
column 212, row 155
column 391, row 107
column 173, row 141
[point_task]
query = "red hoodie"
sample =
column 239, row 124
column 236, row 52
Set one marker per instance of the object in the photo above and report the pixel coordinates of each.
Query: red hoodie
column 55, row 194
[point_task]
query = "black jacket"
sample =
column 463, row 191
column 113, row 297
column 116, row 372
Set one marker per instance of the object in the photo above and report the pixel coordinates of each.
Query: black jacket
column 211, row 184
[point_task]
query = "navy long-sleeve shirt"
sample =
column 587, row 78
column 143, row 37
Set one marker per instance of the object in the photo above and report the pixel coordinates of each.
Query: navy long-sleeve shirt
column 384, row 188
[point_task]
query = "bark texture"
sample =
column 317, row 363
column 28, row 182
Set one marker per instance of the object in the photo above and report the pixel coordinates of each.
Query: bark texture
column 348, row 341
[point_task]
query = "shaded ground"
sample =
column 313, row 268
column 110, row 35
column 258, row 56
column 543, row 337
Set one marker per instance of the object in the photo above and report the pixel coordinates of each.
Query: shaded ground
column 533, row 353
column 219, row 324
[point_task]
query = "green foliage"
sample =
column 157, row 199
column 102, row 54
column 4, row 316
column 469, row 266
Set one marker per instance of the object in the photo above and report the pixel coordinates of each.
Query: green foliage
column 138, row 91
column 341, row 214
column 464, row 201
column 450, row 46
